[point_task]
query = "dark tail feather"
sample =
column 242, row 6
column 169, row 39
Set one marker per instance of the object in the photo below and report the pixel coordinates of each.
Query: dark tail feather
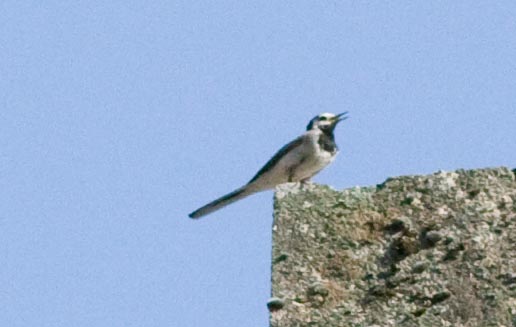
column 221, row 202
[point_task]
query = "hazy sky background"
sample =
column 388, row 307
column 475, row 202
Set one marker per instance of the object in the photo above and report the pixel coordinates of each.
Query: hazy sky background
column 118, row 118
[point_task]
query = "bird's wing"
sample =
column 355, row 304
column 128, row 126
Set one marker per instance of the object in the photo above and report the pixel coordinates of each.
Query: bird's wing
column 278, row 156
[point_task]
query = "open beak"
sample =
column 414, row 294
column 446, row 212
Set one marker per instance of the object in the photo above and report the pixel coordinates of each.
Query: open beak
column 341, row 117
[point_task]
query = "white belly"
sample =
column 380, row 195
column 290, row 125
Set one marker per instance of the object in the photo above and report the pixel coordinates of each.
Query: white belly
column 300, row 164
column 309, row 168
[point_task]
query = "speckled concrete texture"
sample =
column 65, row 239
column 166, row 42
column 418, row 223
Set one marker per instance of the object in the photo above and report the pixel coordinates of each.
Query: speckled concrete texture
column 436, row 250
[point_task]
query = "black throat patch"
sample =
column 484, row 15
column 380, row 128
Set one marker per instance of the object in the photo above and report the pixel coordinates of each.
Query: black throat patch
column 327, row 142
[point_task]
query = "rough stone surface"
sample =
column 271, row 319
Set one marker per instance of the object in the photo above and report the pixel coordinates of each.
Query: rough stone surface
column 437, row 250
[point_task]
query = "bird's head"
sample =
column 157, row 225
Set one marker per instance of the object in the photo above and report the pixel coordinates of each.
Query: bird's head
column 326, row 122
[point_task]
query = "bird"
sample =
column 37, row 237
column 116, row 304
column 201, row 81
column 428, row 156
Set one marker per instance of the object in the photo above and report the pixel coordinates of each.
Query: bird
column 297, row 161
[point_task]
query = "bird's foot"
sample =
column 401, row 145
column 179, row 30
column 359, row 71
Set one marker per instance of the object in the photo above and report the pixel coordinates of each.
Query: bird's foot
column 304, row 183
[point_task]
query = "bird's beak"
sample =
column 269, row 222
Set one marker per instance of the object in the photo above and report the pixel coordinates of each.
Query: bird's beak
column 341, row 117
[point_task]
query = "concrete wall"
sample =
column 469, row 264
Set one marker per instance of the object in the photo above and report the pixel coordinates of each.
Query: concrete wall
column 437, row 250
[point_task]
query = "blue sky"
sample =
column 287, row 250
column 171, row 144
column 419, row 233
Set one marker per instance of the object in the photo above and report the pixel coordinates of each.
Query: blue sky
column 119, row 118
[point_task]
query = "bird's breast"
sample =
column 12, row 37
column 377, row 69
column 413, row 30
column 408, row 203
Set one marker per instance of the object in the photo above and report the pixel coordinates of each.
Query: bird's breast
column 320, row 156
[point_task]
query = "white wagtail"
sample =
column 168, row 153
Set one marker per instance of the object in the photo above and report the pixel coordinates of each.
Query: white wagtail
column 297, row 161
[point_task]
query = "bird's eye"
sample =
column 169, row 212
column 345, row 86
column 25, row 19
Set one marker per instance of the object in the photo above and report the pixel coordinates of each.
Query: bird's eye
column 322, row 118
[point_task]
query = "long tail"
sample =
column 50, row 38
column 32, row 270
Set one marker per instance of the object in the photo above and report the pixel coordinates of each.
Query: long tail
column 222, row 201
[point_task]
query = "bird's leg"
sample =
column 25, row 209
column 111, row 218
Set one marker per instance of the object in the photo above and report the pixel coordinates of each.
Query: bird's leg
column 304, row 182
column 290, row 172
